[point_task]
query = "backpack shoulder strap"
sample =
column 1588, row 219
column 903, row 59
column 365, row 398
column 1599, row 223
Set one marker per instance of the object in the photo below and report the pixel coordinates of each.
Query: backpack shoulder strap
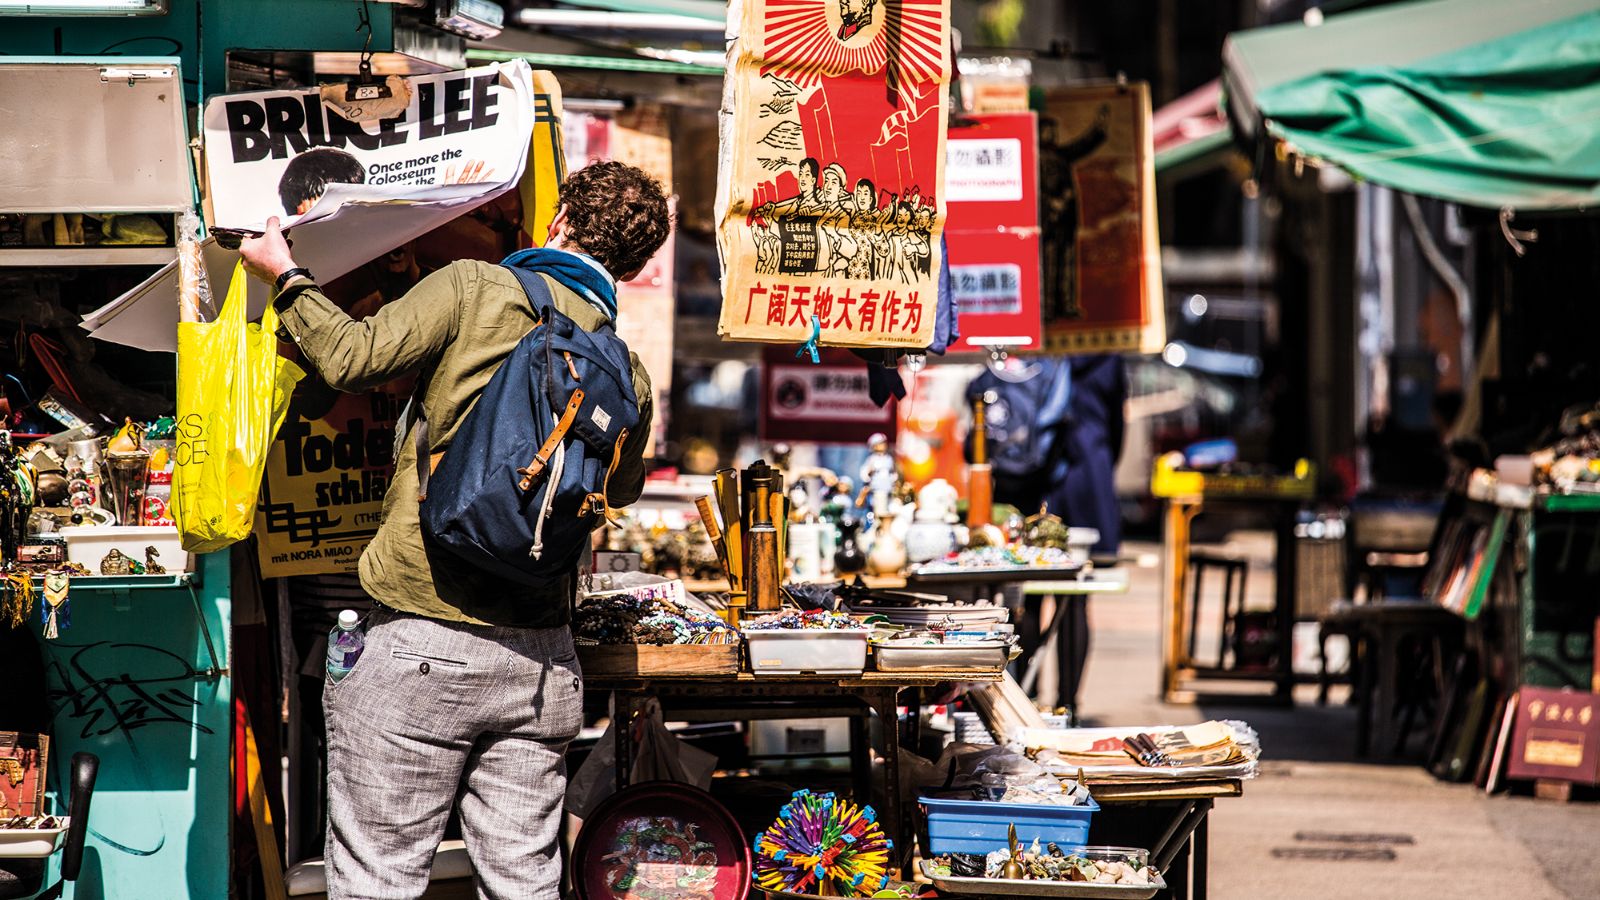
column 539, row 296
column 537, row 289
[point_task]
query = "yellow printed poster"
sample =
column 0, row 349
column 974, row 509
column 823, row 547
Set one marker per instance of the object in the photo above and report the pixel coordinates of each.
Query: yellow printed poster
column 830, row 192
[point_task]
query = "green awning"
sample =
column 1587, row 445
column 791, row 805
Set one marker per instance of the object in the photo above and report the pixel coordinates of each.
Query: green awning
column 711, row 10
column 1503, row 120
column 614, row 63
column 1192, row 156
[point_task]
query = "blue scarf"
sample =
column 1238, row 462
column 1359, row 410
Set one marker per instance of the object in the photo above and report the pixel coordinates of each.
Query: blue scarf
column 577, row 273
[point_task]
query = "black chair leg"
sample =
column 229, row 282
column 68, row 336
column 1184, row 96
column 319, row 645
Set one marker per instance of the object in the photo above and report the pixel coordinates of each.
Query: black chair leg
column 1197, row 571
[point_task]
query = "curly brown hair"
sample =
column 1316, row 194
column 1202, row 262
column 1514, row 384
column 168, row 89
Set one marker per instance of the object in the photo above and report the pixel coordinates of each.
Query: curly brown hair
column 617, row 214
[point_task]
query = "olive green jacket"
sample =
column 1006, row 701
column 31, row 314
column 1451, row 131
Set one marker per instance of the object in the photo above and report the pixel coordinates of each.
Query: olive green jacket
column 453, row 329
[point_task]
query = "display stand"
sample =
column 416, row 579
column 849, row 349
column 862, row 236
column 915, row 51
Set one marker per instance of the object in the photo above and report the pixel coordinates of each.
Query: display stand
column 1170, row 816
column 1062, row 632
column 745, row 696
column 141, row 679
column 1187, row 493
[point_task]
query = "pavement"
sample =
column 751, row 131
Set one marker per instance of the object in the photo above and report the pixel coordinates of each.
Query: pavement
column 1320, row 823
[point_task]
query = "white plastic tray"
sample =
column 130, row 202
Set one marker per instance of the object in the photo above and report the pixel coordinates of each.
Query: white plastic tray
column 30, row 843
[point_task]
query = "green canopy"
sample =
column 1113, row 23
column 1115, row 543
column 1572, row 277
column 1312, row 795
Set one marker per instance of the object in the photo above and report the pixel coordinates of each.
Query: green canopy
column 1513, row 121
column 711, row 10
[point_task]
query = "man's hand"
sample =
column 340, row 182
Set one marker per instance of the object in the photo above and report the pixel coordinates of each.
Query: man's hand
column 267, row 257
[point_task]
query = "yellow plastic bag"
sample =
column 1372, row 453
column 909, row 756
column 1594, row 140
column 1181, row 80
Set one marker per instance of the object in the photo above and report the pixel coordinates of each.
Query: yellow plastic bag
column 233, row 392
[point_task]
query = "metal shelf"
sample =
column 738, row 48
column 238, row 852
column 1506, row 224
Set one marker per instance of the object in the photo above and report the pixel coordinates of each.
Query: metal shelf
column 131, row 255
column 173, row 581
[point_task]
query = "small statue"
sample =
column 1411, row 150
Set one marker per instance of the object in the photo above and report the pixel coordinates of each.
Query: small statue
column 151, row 567
column 880, row 474
column 115, row 563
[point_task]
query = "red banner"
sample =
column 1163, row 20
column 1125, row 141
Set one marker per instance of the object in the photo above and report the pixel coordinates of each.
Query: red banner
column 992, row 188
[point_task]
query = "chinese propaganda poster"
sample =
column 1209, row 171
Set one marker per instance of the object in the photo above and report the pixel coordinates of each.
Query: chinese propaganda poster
column 832, row 155
column 1102, row 253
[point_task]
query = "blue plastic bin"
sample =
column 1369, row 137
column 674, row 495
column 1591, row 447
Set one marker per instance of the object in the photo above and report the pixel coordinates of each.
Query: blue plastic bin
column 976, row 826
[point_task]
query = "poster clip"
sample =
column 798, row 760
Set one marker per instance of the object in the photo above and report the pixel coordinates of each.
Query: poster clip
column 810, row 345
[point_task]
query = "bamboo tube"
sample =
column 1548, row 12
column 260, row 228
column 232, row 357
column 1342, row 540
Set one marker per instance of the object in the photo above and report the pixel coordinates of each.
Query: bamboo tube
column 727, row 490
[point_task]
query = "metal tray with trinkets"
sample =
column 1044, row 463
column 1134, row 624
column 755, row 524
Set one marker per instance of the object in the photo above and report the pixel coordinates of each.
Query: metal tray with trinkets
column 1006, row 887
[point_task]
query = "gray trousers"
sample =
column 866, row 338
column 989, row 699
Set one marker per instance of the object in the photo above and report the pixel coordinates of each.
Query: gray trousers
column 436, row 714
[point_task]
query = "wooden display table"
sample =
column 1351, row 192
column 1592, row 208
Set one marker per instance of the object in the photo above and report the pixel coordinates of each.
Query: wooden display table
column 1171, row 816
column 745, row 696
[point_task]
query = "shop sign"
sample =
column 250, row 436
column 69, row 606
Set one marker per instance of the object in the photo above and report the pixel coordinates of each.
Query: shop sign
column 1556, row 735
column 298, row 155
column 827, row 402
column 830, row 198
column 992, row 179
column 1102, row 254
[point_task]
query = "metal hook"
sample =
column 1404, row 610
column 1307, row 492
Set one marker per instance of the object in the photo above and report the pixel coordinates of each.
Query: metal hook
column 1516, row 237
column 997, row 357
column 810, row 346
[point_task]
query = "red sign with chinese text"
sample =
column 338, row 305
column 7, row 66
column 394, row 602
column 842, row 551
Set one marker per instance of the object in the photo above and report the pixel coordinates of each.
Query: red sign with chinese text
column 821, row 403
column 992, row 188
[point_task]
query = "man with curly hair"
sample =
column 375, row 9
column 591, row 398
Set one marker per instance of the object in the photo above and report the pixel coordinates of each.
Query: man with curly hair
column 468, row 689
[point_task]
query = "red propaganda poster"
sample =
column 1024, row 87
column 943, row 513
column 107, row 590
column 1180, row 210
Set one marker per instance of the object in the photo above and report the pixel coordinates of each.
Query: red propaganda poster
column 832, row 154
column 1102, row 253
column 991, row 179
column 826, row 402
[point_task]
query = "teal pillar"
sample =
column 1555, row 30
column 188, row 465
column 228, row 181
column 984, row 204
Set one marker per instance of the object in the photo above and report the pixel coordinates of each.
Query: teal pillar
column 140, row 679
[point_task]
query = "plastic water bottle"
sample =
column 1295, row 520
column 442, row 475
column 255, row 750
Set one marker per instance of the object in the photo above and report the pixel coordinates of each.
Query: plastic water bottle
column 345, row 643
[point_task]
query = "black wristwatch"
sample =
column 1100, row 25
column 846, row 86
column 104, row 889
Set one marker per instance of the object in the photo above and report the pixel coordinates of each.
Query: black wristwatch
column 286, row 274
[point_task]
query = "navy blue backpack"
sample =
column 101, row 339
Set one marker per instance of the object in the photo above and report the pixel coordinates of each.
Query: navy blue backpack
column 523, row 482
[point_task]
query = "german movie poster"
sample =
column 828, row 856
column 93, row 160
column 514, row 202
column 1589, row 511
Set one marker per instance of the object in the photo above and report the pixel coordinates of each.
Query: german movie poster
column 829, row 196
column 1102, row 254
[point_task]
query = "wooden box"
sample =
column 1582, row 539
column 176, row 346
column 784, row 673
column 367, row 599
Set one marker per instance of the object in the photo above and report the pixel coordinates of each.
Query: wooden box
column 624, row 660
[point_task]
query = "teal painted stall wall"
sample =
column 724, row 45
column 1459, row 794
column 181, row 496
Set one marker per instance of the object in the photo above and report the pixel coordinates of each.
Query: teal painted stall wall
column 128, row 682
column 200, row 32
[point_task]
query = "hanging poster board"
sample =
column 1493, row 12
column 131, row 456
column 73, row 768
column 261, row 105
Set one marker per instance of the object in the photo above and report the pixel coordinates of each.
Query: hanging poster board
column 295, row 155
column 1101, row 250
column 829, row 197
column 992, row 182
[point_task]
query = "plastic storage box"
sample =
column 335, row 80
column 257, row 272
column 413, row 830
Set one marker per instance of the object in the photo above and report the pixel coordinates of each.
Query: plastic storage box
column 799, row 651
column 976, row 826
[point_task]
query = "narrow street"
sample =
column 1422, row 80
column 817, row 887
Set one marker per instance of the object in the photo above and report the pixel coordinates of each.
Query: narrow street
column 1319, row 822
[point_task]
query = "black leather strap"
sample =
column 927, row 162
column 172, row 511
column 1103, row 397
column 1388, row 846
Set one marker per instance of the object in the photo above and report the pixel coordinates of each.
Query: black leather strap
column 287, row 274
